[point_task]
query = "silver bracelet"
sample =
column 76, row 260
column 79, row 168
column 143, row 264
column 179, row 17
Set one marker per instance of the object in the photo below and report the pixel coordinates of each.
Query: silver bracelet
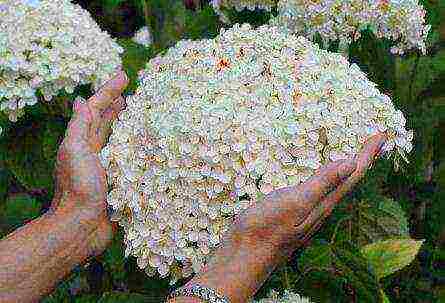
column 206, row 294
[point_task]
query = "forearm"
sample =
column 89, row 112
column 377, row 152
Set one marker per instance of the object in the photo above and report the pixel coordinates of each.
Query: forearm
column 36, row 256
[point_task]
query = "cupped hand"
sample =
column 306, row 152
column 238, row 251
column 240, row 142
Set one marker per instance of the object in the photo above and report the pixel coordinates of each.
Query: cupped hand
column 290, row 216
column 80, row 178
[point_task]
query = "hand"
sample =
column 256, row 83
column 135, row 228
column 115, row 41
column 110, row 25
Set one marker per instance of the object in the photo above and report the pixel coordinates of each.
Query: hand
column 292, row 215
column 265, row 235
column 80, row 178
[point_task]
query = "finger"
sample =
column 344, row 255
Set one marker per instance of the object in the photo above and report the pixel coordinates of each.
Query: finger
column 108, row 117
column 79, row 125
column 329, row 177
column 318, row 215
column 369, row 153
column 109, row 92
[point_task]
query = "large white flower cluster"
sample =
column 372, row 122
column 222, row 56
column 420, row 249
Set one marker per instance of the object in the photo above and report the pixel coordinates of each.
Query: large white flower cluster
column 46, row 46
column 239, row 5
column 216, row 124
column 402, row 21
column 288, row 297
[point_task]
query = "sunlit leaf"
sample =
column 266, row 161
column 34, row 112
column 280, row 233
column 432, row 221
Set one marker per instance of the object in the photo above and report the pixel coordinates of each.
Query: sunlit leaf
column 390, row 256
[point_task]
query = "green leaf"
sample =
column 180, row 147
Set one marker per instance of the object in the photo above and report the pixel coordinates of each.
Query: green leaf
column 117, row 297
column 352, row 265
column 86, row 299
column 415, row 73
column 31, row 152
column 385, row 298
column 385, row 219
column 390, row 256
column 134, row 59
column 5, row 180
column 111, row 4
column 167, row 19
column 114, row 260
column 202, row 24
column 316, row 256
column 17, row 210
column 345, row 260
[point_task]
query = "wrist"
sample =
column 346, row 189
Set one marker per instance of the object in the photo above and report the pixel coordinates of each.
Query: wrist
column 93, row 223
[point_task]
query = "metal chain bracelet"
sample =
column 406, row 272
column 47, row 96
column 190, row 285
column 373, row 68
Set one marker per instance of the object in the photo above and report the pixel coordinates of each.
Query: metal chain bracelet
column 206, row 294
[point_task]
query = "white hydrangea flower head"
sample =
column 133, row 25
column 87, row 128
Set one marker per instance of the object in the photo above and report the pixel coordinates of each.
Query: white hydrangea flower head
column 217, row 124
column 402, row 21
column 46, row 46
column 143, row 36
column 240, row 5
column 288, row 297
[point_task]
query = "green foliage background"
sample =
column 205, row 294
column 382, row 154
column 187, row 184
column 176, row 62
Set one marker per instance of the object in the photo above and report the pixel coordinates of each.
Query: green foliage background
column 337, row 266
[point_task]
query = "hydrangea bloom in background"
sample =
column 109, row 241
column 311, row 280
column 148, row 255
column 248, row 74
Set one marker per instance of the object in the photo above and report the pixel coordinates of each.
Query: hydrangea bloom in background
column 402, row 21
column 217, row 124
column 143, row 36
column 288, row 297
column 47, row 46
column 239, row 5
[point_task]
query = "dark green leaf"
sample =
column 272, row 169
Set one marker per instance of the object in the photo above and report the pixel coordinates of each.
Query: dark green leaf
column 110, row 4
column 316, row 256
column 415, row 73
column 114, row 260
column 345, row 261
column 18, row 210
column 31, row 152
column 122, row 297
column 372, row 223
column 355, row 268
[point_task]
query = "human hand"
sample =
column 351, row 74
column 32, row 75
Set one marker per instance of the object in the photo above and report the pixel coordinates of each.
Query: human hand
column 80, row 178
column 288, row 217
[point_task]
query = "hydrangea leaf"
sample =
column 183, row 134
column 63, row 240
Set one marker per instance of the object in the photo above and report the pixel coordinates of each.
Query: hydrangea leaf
column 414, row 74
column 392, row 255
column 18, row 210
column 167, row 19
column 89, row 298
column 317, row 256
column 345, row 260
column 384, row 220
column 5, row 175
column 201, row 24
column 351, row 264
column 5, row 178
column 255, row 18
column 134, row 59
column 31, row 150
column 117, row 297
column 110, row 4
column 114, row 260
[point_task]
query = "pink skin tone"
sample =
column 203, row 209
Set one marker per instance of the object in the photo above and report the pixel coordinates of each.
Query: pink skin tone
column 35, row 257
